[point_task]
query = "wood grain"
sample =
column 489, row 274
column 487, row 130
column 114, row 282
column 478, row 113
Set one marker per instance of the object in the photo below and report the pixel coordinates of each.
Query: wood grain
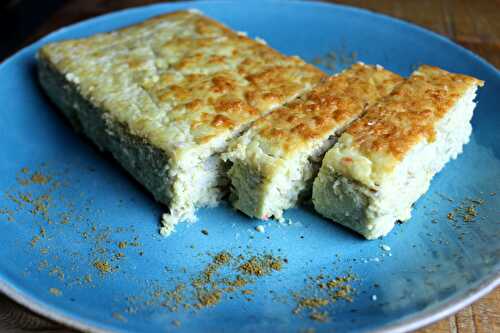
column 473, row 24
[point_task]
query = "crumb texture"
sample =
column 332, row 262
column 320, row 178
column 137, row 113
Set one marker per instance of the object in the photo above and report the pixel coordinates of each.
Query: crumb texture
column 166, row 96
column 386, row 160
column 275, row 161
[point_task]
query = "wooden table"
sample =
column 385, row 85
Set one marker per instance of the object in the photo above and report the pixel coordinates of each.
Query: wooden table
column 473, row 24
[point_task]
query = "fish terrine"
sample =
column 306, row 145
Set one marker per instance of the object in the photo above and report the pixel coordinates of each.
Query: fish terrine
column 167, row 95
column 275, row 161
column 386, row 159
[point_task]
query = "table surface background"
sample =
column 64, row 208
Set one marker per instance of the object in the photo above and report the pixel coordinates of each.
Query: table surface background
column 473, row 24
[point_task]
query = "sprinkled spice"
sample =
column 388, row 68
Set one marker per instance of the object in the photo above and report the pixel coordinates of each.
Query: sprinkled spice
column 261, row 266
column 38, row 178
column 34, row 240
column 219, row 279
column 43, row 265
column 313, row 302
column 119, row 316
column 102, row 266
column 225, row 275
column 208, row 298
column 467, row 210
column 333, row 59
column 222, row 258
column 319, row 316
column 55, row 291
column 8, row 214
column 326, row 290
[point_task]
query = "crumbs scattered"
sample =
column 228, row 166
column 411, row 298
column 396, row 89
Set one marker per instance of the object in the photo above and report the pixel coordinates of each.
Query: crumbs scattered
column 260, row 228
column 385, row 247
column 87, row 278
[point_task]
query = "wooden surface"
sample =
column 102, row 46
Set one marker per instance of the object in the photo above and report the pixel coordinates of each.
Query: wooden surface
column 473, row 24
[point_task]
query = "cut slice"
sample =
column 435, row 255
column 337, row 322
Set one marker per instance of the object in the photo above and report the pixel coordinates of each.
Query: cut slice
column 275, row 161
column 385, row 160
column 167, row 95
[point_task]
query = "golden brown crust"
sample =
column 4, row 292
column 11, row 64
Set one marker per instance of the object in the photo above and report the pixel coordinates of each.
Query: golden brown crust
column 395, row 124
column 327, row 108
column 181, row 79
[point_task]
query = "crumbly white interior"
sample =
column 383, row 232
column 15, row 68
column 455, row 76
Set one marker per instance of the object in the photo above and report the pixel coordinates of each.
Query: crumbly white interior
column 167, row 95
column 267, row 194
column 197, row 179
column 373, row 211
column 294, row 181
column 202, row 185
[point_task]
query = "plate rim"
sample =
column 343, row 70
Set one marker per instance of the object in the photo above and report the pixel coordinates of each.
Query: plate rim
column 412, row 322
column 408, row 323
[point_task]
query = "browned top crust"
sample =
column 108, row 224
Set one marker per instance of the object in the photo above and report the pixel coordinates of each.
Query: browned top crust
column 370, row 149
column 181, row 80
column 410, row 112
column 310, row 120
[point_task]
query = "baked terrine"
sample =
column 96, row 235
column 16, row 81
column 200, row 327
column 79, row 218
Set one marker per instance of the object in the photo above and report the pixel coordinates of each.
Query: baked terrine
column 386, row 159
column 275, row 161
column 167, row 95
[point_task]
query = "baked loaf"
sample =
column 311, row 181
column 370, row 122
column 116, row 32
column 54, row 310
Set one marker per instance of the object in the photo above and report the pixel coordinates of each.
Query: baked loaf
column 386, row 159
column 167, row 95
column 276, row 159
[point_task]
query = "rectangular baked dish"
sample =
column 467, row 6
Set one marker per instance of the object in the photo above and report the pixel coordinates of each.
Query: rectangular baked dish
column 276, row 159
column 166, row 96
column 386, row 159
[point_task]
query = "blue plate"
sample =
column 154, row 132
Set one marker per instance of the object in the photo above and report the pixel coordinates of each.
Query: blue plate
column 62, row 219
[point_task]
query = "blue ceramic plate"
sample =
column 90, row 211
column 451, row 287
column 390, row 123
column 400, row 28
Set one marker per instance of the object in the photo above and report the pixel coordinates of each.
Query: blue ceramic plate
column 79, row 238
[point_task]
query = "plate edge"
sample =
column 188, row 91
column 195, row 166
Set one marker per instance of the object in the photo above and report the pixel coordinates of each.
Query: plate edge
column 449, row 307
